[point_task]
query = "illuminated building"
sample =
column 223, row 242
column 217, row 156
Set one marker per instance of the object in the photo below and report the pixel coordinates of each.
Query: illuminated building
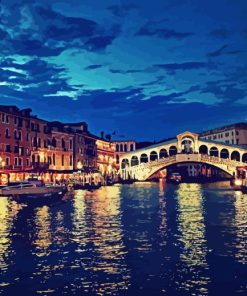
column 105, row 156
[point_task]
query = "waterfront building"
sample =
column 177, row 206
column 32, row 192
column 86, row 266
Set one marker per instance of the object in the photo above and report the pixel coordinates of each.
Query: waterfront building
column 106, row 162
column 85, row 148
column 231, row 134
column 122, row 147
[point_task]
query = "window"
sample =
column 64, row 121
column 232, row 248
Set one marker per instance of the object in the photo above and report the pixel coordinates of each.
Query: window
column 20, row 161
column 54, row 159
column 3, row 117
column 7, row 135
column 20, row 136
column 232, row 141
column 237, row 133
column 62, row 160
column 227, row 141
column 7, row 148
column 237, row 141
column 16, row 149
column 7, row 119
column 27, row 162
column 28, row 137
column 15, row 135
column 71, row 160
column 226, row 134
column 70, row 144
column 16, row 161
column 7, row 161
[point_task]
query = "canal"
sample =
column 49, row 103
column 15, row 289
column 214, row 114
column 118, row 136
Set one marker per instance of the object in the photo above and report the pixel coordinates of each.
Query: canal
column 140, row 239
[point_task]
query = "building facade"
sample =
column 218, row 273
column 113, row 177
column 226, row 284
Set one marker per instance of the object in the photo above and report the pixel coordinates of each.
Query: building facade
column 106, row 163
column 231, row 134
column 122, row 147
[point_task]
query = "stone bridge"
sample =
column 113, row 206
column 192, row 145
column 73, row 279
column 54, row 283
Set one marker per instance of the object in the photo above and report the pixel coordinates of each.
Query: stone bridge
column 185, row 148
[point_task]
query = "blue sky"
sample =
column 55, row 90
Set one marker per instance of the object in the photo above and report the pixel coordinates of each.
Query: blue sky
column 145, row 69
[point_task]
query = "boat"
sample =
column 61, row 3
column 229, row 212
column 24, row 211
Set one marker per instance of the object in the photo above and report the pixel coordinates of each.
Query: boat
column 31, row 191
column 175, row 178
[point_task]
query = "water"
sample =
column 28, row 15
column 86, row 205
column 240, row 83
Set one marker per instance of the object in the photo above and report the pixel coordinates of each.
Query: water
column 141, row 239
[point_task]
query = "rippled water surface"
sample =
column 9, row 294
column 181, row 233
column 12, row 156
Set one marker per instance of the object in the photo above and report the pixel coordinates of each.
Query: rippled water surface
column 141, row 239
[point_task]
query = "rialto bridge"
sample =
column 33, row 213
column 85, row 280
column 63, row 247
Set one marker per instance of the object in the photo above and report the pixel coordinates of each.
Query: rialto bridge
column 185, row 148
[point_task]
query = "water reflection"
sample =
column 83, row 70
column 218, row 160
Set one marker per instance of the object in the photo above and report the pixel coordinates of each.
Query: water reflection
column 97, row 225
column 191, row 227
column 43, row 231
column 241, row 227
column 162, row 214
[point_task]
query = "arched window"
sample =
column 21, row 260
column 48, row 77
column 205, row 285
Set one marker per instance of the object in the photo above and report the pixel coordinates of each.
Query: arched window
column 224, row 153
column 203, row 149
column 153, row 155
column 117, row 148
column 121, row 147
column 173, row 150
column 235, row 156
column 244, row 157
column 125, row 148
column 20, row 135
column 131, row 147
column 144, row 158
column 134, row 161
column 124, row 163
column 63, row 143
column 214, row 151
column 163, row 153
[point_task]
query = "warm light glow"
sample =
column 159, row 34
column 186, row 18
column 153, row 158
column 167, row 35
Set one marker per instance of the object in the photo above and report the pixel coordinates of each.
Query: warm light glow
column 238, row 182
column 79, row 165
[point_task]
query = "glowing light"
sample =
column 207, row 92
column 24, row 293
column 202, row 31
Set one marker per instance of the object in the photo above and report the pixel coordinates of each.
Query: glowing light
column 238, row 182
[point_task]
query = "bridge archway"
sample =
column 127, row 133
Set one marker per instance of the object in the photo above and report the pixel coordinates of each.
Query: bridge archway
column 235, row 156
column 203, row 149
column 244, row 157
column 143, row 158
column 187, row 144
column 124, row 163
column 153, row 155
column 134, row 161
column 173, row 150
column 214, row 151
column 163, row 153
column 224, row 153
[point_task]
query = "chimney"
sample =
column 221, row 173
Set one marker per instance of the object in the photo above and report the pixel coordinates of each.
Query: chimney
column 102, row 135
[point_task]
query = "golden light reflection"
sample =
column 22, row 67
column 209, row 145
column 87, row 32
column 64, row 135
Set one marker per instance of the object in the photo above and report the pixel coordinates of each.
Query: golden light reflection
column 8, row 212
column 162, row 213
column 241, row 227
column 97, row 221
column 192, row 237
column 43, row 231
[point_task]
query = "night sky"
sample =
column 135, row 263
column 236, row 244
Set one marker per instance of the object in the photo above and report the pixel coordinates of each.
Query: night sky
column 145, row 69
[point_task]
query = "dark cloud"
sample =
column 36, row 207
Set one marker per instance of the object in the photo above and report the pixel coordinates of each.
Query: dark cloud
column 162, row 33
column 182, row 66
column 93, row 67
column 222, row 51
column 121, row 10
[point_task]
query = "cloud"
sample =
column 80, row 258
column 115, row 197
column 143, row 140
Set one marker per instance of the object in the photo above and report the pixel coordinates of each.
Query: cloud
column 163, row 33
column 222, row 51
column 220, row 33
column 99, row 42
column 182, row 66
column 93, row 67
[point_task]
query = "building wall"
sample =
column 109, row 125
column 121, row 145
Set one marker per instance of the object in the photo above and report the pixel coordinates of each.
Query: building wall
column 105, row 156
column 234, row 134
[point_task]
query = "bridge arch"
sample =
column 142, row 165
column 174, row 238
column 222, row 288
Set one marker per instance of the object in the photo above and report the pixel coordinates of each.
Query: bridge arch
column 173, row 150
column 134, row 160
column 224, row 153
column 163, row 153
column 124, row 163
column 235, row 155
column 143, row 158
column 244, row 157
column 214, row 151
column 203, row 149
column 153, row 155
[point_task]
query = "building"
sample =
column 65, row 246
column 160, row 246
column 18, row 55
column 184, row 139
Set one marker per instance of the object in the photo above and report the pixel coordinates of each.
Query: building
column 85, row 148
column 106, row 162
column 122, row 147
column 231, row 134
column 30, row 145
